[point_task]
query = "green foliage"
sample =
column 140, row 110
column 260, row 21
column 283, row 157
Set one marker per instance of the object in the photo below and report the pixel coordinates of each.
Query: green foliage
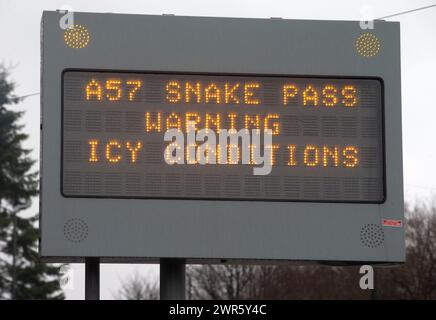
column 18, row 185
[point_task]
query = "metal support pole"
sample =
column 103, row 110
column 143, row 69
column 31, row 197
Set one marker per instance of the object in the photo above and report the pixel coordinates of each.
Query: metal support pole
column 92, row 279
column 172, row 279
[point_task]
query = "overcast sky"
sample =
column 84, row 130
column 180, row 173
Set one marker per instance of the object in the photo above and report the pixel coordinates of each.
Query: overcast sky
column 20, row 30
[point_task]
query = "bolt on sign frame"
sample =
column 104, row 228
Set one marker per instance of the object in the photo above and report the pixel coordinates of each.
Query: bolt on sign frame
column 112, row 85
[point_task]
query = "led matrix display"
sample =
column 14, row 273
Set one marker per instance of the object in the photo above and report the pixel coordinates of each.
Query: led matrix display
column 327, row 136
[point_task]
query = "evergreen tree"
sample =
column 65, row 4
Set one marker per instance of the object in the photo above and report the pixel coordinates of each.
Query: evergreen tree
column 22, row 276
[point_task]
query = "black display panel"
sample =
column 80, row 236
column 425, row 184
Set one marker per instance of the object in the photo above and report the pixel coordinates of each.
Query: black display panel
column 327, row 142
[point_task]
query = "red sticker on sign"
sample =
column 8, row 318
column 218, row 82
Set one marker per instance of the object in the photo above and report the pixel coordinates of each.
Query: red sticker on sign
column 392, row 223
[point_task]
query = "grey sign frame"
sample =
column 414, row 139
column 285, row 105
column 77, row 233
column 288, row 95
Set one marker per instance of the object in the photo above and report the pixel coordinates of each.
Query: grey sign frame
column 146, row 230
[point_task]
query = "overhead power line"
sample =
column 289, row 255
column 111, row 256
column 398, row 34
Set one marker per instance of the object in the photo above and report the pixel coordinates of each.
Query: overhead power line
column 27, row 95
column 406, row 12
column 421, row 187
